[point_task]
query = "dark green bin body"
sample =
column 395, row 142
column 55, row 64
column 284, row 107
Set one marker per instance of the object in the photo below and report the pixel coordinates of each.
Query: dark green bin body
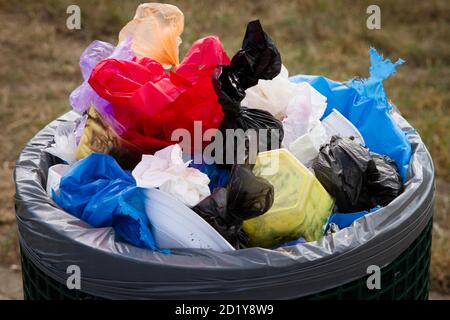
column 405, row 278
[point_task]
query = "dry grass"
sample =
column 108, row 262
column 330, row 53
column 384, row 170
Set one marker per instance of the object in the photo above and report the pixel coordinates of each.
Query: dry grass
column 39, row 69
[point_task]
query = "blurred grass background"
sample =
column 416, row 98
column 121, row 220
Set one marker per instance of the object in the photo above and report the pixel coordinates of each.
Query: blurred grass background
column 39, row 68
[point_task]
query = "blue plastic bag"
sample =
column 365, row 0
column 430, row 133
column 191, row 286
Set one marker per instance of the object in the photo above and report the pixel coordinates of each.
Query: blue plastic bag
column 290, row 243
column 99, row 192
column 218, row 176
column 365, row 104
column 344, row 220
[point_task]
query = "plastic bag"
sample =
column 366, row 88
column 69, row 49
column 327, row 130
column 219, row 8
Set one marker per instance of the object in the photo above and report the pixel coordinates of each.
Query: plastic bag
column 218, row 175
column 357, row 178
column 83, row 97
column 99, row 137
column 258, row 59
column 365, row 104
column 65, row 144
column 55, row 173
column 151, row 104
column 344, row 220
column 246, row 196
column 336, row 124
column 167, row 171
column 303, row 113
column 271, row 95
column 97, row 191
column 301, row 206
column 156, row 30
column 306, row 147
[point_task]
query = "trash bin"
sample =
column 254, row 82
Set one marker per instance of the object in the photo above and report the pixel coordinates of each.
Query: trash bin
column 397, row 238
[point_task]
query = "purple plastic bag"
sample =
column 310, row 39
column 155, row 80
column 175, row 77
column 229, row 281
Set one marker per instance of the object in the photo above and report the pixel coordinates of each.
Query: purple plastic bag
column 83, row 96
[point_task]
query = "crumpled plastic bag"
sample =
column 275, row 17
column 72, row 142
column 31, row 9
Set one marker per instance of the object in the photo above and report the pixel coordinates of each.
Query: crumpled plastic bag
column 303, row 131
column 156, row 30
column 258, row 59
column 97, row 191
column 151, row 104
column 246, row 196
column 99, row 137
column 167, row 171
column 303, row 113
column 83, row 97
column 306, row 147
column 365, row 104
column 301, row 205
column 357, row 178
column 271, row 95
column 65, row 144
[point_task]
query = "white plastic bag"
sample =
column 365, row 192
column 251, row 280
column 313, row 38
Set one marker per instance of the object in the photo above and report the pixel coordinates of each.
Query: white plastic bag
column 306, row 147
column 65, row 142
column 336, row 124
column 167, row 171
column 271, row 95
column 54, row 176
column 304, row 111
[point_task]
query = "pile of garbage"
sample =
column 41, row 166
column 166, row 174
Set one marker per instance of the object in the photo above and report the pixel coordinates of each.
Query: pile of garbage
column 221, row 153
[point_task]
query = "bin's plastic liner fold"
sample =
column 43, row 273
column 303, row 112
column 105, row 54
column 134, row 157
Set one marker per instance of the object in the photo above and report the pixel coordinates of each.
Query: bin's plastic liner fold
column 54, row 239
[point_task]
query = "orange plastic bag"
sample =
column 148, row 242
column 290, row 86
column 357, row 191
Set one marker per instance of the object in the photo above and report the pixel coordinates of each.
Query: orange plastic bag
column 155, row 31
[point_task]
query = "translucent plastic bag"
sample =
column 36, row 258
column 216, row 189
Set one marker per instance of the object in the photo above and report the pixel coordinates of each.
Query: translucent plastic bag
column 83, row 97
column 65, row 144
column 271, row 95
column 301, row 205
column 155, row 30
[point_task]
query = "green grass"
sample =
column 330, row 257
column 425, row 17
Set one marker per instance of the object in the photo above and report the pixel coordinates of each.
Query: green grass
column 39, row 68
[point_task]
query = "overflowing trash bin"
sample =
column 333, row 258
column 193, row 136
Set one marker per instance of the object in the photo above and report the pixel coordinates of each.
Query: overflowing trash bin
column 319, row 182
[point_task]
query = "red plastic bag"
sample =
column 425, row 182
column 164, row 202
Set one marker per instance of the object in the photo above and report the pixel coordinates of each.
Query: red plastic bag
column 151, row 103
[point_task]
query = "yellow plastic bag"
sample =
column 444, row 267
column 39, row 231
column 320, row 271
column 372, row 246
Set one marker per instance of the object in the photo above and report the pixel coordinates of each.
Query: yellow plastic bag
column 155, row 32
column 301, row 206
column 100, row 137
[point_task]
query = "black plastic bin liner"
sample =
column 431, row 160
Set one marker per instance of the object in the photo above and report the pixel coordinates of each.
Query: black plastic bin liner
column 53, row 240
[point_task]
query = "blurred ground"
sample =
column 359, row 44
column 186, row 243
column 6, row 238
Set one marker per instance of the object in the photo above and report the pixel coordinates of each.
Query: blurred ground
column 39, row 68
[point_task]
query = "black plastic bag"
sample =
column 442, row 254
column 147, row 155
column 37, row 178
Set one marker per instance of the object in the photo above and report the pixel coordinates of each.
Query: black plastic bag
column 258, row 59
column 357, row 178
column 246, row 196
